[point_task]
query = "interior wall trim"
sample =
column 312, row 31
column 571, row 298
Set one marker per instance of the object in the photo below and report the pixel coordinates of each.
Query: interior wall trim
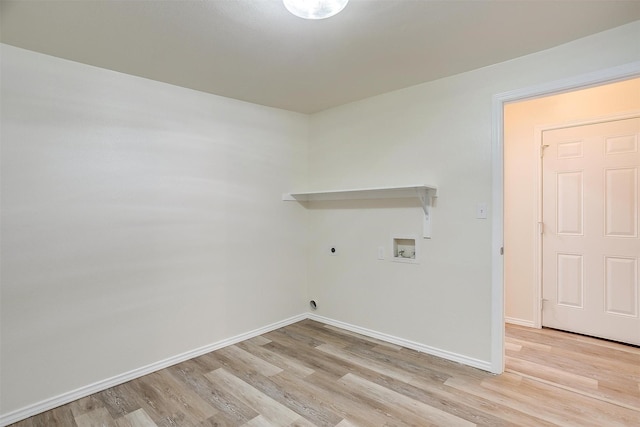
column 520, row 322
column 444, row 354
column 64, row 398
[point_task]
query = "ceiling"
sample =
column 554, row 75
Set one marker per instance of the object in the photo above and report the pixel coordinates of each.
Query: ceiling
column 254, row 50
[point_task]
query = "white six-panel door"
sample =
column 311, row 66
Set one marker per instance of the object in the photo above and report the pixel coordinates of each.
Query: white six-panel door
column 590, row 242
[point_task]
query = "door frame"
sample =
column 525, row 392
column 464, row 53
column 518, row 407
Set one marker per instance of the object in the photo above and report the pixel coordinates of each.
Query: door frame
column 539, row 130
column 597, row 78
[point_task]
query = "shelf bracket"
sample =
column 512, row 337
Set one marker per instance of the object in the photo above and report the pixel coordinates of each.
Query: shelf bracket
column 426, row 197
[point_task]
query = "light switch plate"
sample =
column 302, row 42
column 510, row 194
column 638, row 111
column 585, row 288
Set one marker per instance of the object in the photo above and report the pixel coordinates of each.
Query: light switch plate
column 481, row 211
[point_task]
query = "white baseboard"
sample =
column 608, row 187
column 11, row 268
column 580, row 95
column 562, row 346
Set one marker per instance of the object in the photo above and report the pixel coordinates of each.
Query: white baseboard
column 520, row 322
column 54, row 402
column 465, row 360
column 85, row 391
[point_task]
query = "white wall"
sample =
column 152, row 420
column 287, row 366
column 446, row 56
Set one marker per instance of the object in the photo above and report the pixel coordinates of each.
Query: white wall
column 435, row 133
column 139, row 221
column 521, row 151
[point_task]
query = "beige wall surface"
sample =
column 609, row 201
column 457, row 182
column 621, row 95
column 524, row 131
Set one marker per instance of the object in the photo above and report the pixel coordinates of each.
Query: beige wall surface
column 435, row 133
column 522, row 161
column 139, row 221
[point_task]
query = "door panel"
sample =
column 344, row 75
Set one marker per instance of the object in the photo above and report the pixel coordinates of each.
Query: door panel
column 621, row 286
column 570, row 208
column 570, row 280
column 621, row 202
column 590, row 241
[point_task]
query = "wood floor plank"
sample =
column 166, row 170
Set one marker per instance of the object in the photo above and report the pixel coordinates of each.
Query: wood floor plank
column 292, row 335
column 151, row 398
column 86, row 404
column 586, row 408
column 362, row 337
column 354, row 359
column 512, row 346
column 311, row 358
column 249, row 360
column 551, row 373
column 404, row 406
column 284, row 363
column 220, row 420
column 388, row 357
column 357, row 410
column 597, row 368
column 554, row 405
column 58, row 416
column 182, row 397
column 118, row 400
column 578, row 344
column 205, row 363
column 529, row 408
column 137, row 418
column 311, row 328
column 232, row 412
column 259, row 340
column 314, row 403
column 274, row 386
column 522, row 344
column 433, row 396
column 270, row 409
column 258, row 421
column 99, row 417
column 593, row 342
column 482, row 411
column 430, row 368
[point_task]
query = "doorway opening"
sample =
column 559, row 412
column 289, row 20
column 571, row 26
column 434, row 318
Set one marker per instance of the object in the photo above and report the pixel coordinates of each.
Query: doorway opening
column 501, row 222
column 527, row 125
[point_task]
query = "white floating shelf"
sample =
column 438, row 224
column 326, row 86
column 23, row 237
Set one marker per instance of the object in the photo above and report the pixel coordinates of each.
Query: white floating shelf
column 425, row 193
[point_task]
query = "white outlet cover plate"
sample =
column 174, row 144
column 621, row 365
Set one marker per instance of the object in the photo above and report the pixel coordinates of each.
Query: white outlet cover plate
column 481, row 210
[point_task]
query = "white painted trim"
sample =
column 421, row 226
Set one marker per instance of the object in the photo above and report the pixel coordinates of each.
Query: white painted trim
column 539, row 131
column 590, row 121
column 520, row 322
column 609, row 75
column 476, row 363
column 47, row 404
column 596, row 78
column 64, row 398
column 537, row 293
column 497, row 235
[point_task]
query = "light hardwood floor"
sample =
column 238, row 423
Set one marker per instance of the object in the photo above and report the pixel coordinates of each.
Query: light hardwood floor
column 310, row 374
column 605, row 370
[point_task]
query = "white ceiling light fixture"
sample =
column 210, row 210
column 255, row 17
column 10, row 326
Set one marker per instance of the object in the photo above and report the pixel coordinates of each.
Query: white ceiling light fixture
column 315, row 9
